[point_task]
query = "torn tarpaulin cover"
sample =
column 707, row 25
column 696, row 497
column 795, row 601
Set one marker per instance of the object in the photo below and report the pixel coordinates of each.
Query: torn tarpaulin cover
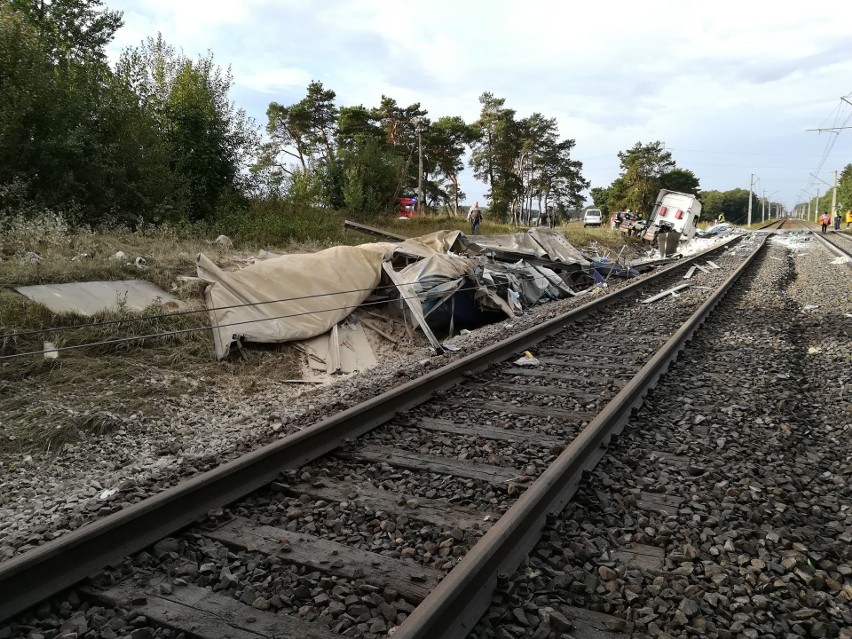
column 439, row 276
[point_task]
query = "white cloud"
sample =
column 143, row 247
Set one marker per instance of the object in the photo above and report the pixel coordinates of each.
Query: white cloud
column 738, row 77
column 272, row 80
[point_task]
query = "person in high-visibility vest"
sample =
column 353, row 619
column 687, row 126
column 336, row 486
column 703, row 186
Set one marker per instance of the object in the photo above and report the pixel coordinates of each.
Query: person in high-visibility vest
column 848, row 218
column 721, row 218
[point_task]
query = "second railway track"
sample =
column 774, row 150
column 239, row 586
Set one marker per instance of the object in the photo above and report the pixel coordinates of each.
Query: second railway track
column 412, row 524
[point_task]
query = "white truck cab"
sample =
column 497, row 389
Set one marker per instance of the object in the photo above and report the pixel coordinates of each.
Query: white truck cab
column 678, row 212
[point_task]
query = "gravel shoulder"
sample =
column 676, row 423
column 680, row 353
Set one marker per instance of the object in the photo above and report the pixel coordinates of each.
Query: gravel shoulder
column 748, row 439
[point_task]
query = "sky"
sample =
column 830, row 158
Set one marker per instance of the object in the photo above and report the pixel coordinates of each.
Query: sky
column 729, row 87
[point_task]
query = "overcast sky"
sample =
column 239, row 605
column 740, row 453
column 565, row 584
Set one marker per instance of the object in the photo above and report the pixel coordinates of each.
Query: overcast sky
column 730, row 87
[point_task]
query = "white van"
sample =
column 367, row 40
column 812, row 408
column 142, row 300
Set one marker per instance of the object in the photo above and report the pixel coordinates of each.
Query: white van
column 592, row 217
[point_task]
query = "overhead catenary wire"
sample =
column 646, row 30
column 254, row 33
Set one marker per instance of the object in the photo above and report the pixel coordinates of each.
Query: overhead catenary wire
column 182, row 331
column 143, row 318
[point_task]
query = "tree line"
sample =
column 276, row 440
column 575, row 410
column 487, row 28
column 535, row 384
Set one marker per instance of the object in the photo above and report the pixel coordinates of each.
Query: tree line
column 360, row 158
column 155, row 138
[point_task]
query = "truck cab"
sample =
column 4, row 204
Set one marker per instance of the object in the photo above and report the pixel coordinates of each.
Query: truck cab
column 676, row 212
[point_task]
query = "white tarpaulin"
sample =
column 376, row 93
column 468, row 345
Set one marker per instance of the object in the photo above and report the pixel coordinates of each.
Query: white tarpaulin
column 290, row 297
column 296, row 297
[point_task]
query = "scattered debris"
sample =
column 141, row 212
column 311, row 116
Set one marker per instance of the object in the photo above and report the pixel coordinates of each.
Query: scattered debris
column 31, row 258
column 140, row 263
column 49, row 351
column 343, row 349
column 841, row 260
column 690, row 272
column 813, row 350
column 88, row 298
column 713, row 265
column 448, row 346
column 443, row 281
column 109, row 492
column 81, row 256
column 671, row 291
column 810, row 307
column 527, row 360
column 120, row 255
column 223, row 241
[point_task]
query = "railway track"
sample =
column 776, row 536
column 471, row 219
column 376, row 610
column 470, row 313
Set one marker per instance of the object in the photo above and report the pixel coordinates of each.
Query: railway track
column 373, row 536
column 839, row 242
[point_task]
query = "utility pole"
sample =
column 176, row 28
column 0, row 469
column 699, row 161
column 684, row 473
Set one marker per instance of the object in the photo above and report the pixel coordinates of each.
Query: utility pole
column 763, row 208
column 420, row 168
column 750, row 189
column 834, row 196
column 816, row 207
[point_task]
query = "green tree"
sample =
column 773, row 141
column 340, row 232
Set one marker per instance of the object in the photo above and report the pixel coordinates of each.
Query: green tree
column 680, row 180
column 75, row 30
column 209, row 143
column 642, row 169
column 494, row 153
column 600, row 198
column 446, row 142
column 844, row 188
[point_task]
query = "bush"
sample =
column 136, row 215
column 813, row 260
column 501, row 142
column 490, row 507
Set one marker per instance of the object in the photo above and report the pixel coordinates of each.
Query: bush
column 275, row 222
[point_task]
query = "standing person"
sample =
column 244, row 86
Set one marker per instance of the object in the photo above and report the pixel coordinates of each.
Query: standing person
column 474, row 216
column 848, row 218
column 552, row 220
column 721, row 218
column 824, row 220
column 837, row 220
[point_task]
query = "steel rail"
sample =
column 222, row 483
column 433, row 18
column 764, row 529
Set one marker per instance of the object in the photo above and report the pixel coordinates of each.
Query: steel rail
column 454, row 606
column 48, row 569
column 834, row 248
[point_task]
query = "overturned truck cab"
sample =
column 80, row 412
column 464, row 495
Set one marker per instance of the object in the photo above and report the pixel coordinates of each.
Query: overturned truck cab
column 674, row 217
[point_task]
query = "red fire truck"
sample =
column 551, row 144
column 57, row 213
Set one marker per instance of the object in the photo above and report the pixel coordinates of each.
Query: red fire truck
column 407, row 207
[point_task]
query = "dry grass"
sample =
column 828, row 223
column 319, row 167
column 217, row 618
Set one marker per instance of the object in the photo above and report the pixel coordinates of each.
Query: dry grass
column 47, row 404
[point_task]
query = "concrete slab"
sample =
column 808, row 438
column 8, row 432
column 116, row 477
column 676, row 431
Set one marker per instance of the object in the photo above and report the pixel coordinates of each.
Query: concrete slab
column 88, row 298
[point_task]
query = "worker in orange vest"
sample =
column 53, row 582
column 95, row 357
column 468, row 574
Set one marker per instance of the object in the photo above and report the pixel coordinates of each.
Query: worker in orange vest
column 825, row 220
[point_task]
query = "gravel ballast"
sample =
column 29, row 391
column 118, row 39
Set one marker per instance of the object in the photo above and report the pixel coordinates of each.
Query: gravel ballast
column 748, row 438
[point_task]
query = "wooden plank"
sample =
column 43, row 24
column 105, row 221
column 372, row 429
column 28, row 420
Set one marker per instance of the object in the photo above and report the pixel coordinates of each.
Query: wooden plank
column 536, row 389
column 611, row 355
column 713, row 265
column 589, row 624
column 573, row 363
column 690, row 272
column 701, row 268
column 641, row 556
column 431, row 511
column 490, row 432
column 412, row 580
column 663, row 504
column 514, row 409
column 494, row 475
column 660, row 296
column 371, row 230
column 199, row 612
column 570, row 377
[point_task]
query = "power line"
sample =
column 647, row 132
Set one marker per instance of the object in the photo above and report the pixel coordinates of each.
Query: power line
column 182, row 331
column 142, row 318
